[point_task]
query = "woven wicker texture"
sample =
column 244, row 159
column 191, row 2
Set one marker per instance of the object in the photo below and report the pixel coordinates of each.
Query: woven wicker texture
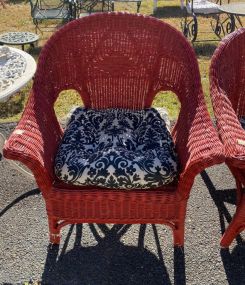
column 116, row 60
column 227, row 79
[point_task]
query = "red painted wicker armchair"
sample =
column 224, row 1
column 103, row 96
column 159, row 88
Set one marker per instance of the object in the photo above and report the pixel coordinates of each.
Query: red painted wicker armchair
column 227, row 78
column 115, row 60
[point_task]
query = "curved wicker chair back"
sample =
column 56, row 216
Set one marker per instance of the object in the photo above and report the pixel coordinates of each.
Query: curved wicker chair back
column 114, row 61
column 227, row 79
column 229, row 66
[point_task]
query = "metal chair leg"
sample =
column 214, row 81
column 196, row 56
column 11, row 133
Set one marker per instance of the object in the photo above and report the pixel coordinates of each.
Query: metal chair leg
column 138, row 6
column 190, row 27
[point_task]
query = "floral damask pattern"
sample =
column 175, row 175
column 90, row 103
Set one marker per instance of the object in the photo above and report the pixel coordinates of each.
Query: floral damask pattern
column 242, row 121
column 116, row 148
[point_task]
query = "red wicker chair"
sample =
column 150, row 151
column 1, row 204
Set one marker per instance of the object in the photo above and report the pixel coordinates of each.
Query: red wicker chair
column 155, row 57
column 227, row 78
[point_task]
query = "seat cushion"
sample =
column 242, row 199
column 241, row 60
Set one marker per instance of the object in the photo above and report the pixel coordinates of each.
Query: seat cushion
column 242, row 121
column 203, row 7
column 116, row 148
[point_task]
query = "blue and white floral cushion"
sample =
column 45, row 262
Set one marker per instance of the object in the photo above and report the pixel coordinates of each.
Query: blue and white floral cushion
column 116, row 148
column 242, row 121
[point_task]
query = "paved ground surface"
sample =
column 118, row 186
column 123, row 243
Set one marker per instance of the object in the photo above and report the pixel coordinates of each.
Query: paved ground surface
column 106, row 254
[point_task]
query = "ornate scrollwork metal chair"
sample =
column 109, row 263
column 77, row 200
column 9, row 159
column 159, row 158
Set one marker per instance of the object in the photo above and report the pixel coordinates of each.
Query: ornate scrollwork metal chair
column 117, row 61
column 42, row 10
column 195, row 8
column 227, row 78
column 87, row 7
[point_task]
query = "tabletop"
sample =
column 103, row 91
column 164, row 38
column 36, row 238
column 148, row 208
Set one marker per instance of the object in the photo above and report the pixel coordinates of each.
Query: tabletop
column 236, row 8
column 16, row 69
column 18, row 38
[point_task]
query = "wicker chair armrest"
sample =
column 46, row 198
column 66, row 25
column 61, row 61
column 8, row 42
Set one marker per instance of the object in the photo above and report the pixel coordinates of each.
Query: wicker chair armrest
column 197, row 144
column 34, row 143
column 230, row 130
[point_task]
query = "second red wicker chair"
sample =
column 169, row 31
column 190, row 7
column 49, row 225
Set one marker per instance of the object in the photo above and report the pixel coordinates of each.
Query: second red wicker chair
column 227, row 78
column 115, row 61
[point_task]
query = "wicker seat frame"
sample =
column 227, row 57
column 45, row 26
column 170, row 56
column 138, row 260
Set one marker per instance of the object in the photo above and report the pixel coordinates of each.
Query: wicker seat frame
column 227, row 78
column 115, row 60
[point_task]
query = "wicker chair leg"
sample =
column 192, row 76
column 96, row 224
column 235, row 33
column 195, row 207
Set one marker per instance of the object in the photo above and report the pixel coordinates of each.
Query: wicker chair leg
column 239, row 192
column 232, row 231
column 178, row 233
column 54, row 231
column 236, row 226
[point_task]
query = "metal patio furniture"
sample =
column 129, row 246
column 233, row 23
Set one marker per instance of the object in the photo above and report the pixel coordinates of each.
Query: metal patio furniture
column 17, row 68
column 138, row 3
column 116, row 60
column 42, row 10
column 19, row 38
column 196, row 8
column 87, row 7
column 227, row 78
column 234, row 11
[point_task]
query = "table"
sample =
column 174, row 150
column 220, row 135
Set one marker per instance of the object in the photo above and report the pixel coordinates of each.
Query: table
column 234, row 10
column 15, row 72
column 18, row 38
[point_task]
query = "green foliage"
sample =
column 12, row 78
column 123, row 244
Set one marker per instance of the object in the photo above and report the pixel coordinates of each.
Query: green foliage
column 168, row 100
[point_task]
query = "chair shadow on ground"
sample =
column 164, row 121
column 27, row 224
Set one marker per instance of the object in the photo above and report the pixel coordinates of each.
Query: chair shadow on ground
column 110, row 261
column 234, row 260
column 18, row 199
column 169, row 12
column 234, row 264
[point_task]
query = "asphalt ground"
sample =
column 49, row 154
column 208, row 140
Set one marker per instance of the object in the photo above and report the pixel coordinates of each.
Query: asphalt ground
column 91, row 254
